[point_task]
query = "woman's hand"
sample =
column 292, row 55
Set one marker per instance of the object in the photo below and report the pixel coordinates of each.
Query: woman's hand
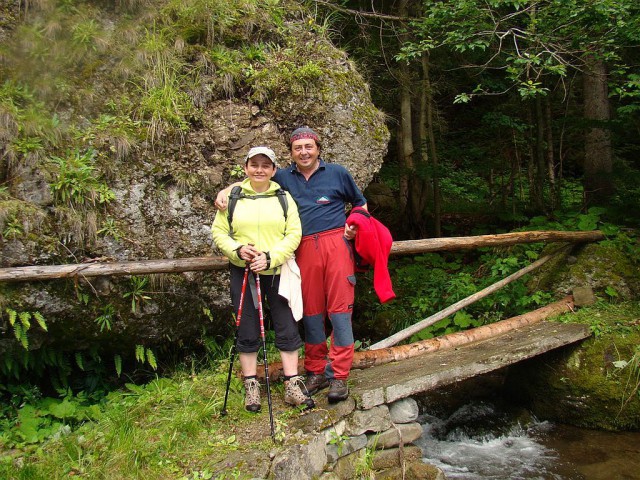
column 259, row 262
column 247, row 253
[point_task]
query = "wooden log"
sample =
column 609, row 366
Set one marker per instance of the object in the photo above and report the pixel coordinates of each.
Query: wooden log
column 97, row 269
column 504, row 239
column 372, row 358
column 415, row 328
column 177, row 265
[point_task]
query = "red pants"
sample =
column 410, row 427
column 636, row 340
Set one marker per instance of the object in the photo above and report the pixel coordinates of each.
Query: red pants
column 328, row 281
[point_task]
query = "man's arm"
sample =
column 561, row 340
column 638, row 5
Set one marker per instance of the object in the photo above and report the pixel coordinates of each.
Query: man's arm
column 222, row 199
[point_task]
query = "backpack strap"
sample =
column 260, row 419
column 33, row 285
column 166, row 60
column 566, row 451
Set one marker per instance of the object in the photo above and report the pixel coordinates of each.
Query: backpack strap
column 282, row 197
column 236, row 194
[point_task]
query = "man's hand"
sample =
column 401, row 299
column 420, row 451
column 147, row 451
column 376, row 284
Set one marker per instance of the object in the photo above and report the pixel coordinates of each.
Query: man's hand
column 222, row 200
column 350, row 231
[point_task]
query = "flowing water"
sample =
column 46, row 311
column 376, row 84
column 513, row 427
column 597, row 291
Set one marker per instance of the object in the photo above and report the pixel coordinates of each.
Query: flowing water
column 481, row 440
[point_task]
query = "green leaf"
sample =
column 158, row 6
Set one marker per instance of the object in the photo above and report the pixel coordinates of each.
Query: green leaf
column 151, row 359
column 79, row 360
column 117, row 360
column 140, row 353
column 41, row 321
column 64, row 409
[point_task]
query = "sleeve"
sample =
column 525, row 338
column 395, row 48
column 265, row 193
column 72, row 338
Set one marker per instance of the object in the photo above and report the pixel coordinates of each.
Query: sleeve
column 351, row 192
column 220, row 232
column 284, row 248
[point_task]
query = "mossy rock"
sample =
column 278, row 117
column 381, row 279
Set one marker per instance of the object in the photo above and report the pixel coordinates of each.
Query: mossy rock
column 601, row 266
column 585, row 386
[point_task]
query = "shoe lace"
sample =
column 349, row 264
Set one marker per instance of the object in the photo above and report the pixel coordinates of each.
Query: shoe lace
column 253, row 388
column 299, row 382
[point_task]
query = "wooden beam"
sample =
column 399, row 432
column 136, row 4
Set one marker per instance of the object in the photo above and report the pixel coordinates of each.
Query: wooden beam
column 451, row 309
column 177, row 265
column 372, row 358
column 98, row 269
column 501, row 240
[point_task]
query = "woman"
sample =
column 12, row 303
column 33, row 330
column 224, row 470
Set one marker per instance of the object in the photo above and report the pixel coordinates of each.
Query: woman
column 262, row 236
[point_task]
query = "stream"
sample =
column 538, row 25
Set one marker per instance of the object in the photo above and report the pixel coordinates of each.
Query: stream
column 485, row 440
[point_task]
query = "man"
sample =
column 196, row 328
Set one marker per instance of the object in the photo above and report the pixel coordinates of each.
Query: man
column 325, row 258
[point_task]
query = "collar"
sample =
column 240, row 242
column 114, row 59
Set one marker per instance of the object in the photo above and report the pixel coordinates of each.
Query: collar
column 293, row 168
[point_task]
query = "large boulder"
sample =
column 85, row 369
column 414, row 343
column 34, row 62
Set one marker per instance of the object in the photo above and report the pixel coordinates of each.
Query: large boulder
column 163, row 190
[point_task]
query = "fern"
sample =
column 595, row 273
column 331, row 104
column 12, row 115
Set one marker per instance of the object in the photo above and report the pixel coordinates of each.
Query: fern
column 140, row 353
column 79, row 360
column 151, row 359
column 117, row 360
column 41, row 321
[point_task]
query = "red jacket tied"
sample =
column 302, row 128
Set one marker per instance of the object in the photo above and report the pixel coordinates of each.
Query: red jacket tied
column 373, row 243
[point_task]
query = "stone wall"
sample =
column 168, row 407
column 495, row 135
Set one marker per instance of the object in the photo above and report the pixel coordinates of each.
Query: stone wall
column 346, row 441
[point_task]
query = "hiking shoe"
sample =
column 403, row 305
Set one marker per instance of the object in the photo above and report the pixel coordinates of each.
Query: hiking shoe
column 315, row 382
column 252, row 395
column 295, row 393
column 338, row 390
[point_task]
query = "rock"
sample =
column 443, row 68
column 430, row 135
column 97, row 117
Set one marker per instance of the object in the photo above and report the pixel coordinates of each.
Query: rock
column 401, row 434
column 404, row 410
column 583, row 296
column 164, row 190
column 392, row 457
column 375, row 419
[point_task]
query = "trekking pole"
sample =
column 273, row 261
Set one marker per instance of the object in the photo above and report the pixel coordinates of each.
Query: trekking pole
column 223, row 412
column 264, row 356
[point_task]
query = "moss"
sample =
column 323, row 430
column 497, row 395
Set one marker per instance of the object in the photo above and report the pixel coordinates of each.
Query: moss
column 591, row 385
column 600, row 265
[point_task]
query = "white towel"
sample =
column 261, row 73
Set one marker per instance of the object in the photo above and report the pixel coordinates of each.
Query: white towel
column 291, row 286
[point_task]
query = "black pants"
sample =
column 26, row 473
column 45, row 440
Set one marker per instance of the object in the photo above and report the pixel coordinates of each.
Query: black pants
column 286, row 329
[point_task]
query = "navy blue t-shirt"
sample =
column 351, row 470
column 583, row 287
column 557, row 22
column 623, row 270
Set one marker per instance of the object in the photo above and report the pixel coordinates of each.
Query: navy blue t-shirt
column 321, row 200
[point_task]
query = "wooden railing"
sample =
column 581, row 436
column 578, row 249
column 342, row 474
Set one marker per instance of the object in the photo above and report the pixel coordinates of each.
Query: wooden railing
column 194, row 264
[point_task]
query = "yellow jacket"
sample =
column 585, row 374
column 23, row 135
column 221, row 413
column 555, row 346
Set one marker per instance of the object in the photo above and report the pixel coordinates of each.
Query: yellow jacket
column 260, row 222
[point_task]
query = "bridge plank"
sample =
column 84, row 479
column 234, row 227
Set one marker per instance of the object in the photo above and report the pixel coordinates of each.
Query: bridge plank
column 393, row 381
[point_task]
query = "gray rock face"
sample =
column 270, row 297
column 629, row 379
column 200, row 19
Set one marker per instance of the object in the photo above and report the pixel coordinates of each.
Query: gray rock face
column 163, row 208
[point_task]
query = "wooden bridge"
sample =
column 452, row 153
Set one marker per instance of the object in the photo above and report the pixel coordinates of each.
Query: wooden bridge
column 387, row 383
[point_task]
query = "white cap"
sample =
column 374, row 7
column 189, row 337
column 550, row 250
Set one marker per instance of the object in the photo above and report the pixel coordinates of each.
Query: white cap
column 261, row 151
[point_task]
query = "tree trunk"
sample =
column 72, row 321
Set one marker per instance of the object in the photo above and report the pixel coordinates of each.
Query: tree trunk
column 540, row 167
column 406, row 139
column 551, row 163
column 465, row 302
column 598, row 156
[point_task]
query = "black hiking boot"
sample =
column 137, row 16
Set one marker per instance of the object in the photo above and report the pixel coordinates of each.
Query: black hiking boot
column 338, row 390
column 315, row 382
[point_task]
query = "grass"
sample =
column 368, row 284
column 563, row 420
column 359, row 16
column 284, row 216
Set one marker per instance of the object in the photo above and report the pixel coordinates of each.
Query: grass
column 607, row 318
column 169, row 428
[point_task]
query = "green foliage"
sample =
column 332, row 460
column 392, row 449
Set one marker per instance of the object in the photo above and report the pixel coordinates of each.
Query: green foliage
column 13, row 229
column 21, row 324
column 237, row 172
column 429, row 283
column 339, row 440
column 137, row 292
column 106, row 317
column 27, row 418
column 76, row 183
column 146, row 355
column 606, row 318
column 110, row 229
